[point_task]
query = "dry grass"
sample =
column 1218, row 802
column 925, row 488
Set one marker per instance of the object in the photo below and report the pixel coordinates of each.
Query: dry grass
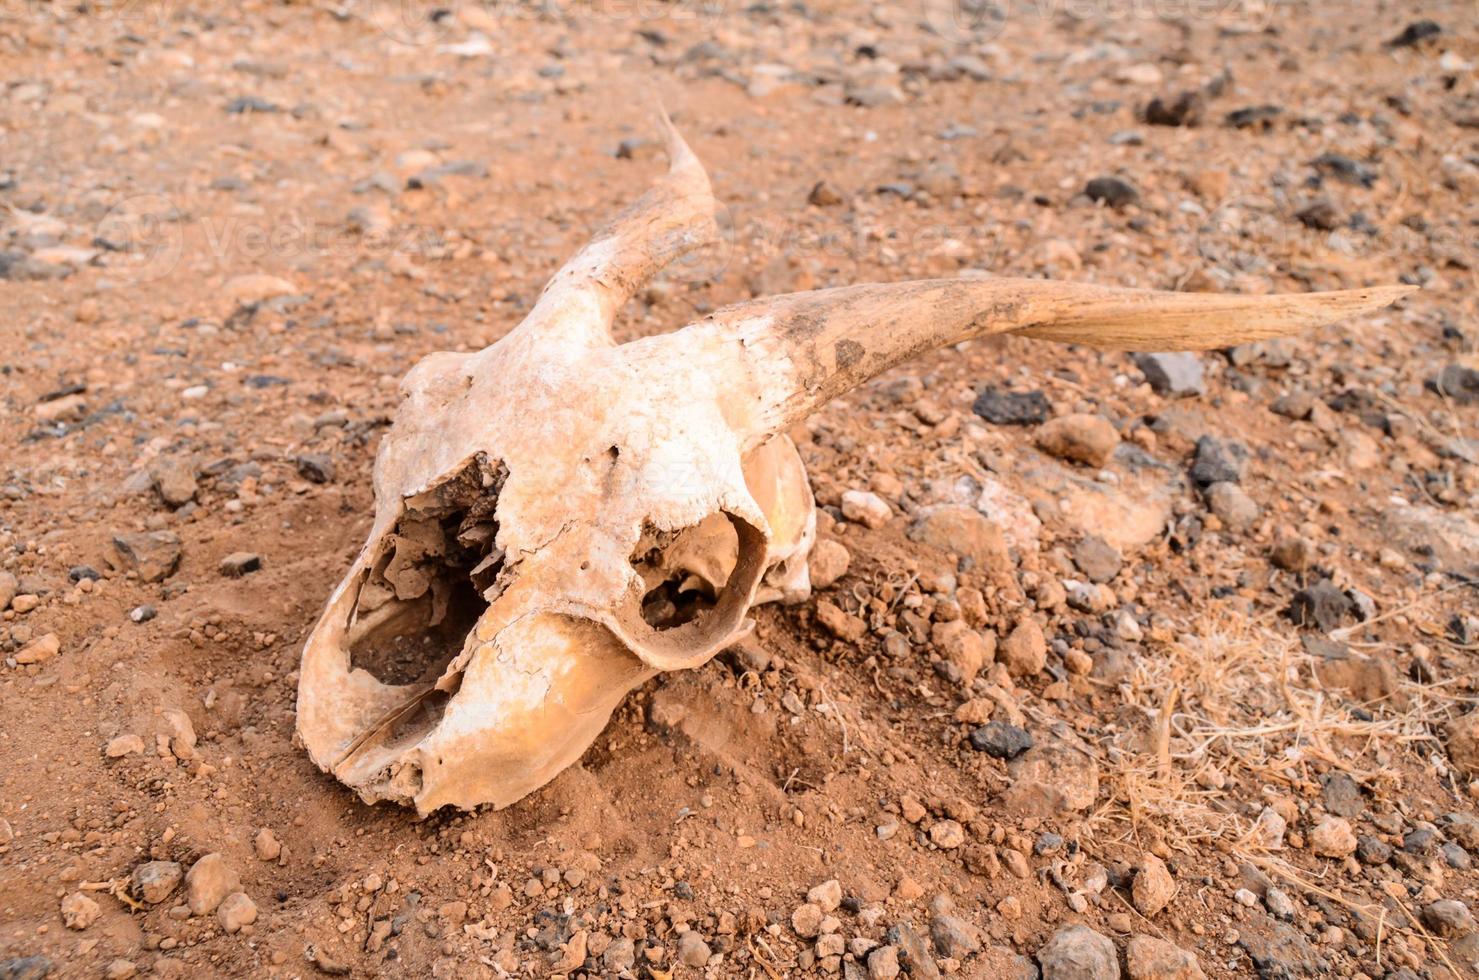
column 1234, row 703
column 1236, row 715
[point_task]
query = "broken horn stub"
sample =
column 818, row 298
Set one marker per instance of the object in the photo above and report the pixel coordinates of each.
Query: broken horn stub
column 558, row 518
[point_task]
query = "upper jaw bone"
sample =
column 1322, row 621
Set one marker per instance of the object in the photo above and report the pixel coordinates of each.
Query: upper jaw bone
column 558, row 517
column 527, row 704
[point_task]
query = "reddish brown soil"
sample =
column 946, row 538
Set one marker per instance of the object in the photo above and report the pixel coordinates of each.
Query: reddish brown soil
column 709, row 803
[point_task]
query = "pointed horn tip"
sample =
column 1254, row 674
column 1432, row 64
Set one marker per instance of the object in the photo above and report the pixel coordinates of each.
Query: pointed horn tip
column 1367, row 299
column 1390, row 294
column 680, row 154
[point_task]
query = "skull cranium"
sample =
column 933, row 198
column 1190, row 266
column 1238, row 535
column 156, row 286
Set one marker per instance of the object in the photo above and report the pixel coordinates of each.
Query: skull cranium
column 559, row 518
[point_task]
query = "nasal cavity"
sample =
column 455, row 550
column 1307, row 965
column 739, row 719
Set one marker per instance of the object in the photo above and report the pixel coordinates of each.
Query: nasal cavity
column 431, row 579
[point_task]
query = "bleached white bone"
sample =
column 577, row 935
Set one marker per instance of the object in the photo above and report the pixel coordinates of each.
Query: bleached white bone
column 558, row 518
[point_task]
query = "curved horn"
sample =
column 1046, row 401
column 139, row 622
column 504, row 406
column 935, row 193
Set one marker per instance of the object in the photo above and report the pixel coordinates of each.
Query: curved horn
column 674, row 217
column 802, row 350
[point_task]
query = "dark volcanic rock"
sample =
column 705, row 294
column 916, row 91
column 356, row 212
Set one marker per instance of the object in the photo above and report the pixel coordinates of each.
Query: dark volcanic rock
column 1254, row 116
column 1112, row 191
column 1455, row 382
column 1344, row 169
column 316, row 467
column 25, row 968
column 1001, row 740
column 1185, row 109
column 1218, row 461
column 1320, row 214
column 1372, row 850
column 1415, row 33
column 1000, row 407
column 1321, row 605
column 1278, row 951
column 1341, row 794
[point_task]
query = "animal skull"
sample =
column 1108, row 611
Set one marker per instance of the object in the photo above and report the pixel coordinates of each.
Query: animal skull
column 558, row 518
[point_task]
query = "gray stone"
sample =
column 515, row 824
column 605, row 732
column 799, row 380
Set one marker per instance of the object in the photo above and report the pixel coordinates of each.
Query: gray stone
column 1233, row 507
column 1000, row 407
column 1001, row 740
column 1279, row 951
column 174, row 480
column 1448, row 917
column 620, row 955
column 954, row 937
column 1296, row 405
column 1097, row 559
column 913, row 952
column 1178, row 373
column 1457, row 383
column 1341, row 794
column 1372, row 850
column 154, row 555
column 25, row 968
column 240, row 563
column 1149, row 958
column 1078, row 953
column 1462, row 827
column 1113, row 191
column 315, row 467
column 1320, row 605
column 153, row 881
column 1420, row 840
column 1279, row 904
column 1218, row 461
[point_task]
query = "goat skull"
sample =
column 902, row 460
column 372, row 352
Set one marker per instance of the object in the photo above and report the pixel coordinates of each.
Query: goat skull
column 559, row 518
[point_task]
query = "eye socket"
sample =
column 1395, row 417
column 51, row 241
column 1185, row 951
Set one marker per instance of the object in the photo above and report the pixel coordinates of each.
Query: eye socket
column 698, row 583
column 684, row 571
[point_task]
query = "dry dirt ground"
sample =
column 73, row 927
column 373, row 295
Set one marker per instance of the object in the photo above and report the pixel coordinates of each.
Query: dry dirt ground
column 228, row 230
